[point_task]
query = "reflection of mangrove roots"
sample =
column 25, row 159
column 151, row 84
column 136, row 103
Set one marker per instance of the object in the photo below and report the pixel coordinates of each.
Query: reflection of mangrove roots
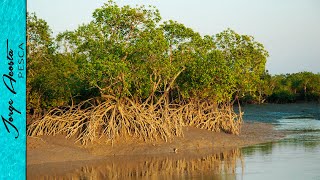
column 216, row 165
column 168, row 168
column 123, row 117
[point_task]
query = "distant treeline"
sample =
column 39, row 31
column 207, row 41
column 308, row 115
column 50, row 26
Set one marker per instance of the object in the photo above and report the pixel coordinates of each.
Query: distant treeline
column 287, row 88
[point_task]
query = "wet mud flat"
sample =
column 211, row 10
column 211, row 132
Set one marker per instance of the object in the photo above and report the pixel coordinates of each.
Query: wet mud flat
column 197, row 152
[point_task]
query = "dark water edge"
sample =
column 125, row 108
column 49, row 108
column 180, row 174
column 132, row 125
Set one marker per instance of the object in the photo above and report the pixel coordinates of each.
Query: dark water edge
column 271, row 113
column 297, row 156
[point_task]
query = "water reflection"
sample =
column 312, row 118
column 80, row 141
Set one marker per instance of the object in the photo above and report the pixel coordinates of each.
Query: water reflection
column 291, row 143
column 289, row 158
column 263, row 149
column 217, row 166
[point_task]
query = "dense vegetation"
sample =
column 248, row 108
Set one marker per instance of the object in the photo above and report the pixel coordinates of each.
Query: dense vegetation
column 288, row 88
column 126, row 73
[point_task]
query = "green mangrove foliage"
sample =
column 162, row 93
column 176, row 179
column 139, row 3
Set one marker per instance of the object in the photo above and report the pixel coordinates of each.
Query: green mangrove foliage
column 286, row 88
column 302, row 86
column 127, row 73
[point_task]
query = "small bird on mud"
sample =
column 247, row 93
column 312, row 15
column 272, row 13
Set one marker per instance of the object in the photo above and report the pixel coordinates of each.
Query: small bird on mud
column 175, row 150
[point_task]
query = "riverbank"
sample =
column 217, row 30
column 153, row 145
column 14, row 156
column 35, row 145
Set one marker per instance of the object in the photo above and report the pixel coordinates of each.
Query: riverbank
column 57, row 149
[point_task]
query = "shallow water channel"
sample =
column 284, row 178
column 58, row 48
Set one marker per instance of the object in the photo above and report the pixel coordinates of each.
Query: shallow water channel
column 297, row 156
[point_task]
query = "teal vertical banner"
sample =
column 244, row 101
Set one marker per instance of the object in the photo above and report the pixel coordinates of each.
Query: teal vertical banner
column 13, row 89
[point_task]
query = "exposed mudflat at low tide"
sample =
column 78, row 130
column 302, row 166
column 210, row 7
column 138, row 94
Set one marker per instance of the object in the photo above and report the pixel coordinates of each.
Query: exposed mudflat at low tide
column 57, row 155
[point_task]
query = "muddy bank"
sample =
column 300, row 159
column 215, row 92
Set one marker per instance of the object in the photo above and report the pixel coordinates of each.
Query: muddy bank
column 48, row 149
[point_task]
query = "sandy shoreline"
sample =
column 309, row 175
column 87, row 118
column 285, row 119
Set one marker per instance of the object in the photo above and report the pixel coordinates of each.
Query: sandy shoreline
column 59, row 158
column 45, row 149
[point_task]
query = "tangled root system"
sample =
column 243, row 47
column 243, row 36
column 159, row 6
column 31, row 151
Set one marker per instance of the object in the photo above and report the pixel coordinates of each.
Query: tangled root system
column 115, row 118
column 213, row 117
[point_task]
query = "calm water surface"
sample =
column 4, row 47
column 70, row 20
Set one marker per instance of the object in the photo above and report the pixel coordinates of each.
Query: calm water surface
column 295, row 157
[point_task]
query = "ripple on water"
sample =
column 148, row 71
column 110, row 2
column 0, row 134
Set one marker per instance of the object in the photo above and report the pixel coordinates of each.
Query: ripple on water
column 300, row 124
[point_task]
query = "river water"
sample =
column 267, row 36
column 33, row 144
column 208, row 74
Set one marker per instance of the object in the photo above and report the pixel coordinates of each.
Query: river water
column 297, row 156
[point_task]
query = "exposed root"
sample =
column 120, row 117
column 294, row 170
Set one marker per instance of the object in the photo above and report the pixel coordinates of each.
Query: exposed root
column 112, row 118
column 210, row 116
column 124, row 117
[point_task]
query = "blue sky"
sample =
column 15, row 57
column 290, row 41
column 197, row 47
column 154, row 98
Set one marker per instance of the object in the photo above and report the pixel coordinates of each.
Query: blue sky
column 289, row 29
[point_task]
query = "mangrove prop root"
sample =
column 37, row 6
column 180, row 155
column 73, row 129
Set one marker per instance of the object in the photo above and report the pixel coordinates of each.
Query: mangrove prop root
column 115, row 118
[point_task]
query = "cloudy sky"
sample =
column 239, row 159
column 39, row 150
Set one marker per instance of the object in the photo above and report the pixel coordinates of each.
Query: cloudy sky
column 289, row 29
